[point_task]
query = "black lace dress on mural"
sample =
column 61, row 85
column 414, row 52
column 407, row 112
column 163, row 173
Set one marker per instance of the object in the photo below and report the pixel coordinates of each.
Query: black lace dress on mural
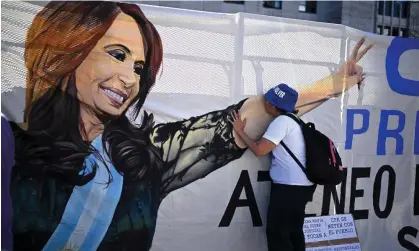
column 191, row 150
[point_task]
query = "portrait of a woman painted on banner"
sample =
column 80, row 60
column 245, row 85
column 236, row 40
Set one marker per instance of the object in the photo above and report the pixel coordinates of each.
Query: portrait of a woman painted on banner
column 85, row 176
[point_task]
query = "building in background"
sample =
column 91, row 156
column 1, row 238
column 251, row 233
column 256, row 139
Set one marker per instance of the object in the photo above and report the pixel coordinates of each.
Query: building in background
column 397, row 18
column 394, row 18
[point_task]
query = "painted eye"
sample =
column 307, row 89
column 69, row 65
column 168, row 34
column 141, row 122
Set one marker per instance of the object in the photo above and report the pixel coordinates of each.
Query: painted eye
column 118, row 54
column 138, row 69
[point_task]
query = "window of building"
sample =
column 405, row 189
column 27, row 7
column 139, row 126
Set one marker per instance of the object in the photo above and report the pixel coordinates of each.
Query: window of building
column 404, row 32
column 308, row 7
column 272, row 4
column 388, row 6
column 394, row 31
column 235, row 2
column 403, row 7
column 380, row 7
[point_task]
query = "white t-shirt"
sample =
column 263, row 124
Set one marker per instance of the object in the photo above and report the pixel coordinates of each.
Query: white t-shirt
column 284, row 169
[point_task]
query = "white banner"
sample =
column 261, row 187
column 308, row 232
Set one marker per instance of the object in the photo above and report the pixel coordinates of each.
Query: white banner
column 213, row 60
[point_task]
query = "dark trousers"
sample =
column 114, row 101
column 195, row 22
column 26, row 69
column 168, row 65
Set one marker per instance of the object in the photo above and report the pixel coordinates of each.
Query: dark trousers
column 286, row 212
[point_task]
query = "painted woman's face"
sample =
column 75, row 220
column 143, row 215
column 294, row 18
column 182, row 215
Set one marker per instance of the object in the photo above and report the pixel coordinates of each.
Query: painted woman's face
column 108, row 79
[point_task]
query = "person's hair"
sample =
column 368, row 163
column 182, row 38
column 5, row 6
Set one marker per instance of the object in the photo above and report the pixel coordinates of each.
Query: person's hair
column 58, row 40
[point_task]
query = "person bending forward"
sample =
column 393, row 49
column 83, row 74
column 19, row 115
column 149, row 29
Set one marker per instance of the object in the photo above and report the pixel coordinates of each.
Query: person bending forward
column 290, row 190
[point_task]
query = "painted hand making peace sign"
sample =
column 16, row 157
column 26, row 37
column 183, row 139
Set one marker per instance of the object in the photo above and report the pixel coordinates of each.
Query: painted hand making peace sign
column 350, row 73
column 346, row 77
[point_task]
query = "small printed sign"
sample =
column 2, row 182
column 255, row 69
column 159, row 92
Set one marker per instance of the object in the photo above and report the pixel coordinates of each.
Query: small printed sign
column 344, row 247
column 331, row 233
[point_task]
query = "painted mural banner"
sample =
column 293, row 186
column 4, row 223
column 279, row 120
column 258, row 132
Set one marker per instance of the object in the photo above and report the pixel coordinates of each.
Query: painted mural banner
column 120, row 115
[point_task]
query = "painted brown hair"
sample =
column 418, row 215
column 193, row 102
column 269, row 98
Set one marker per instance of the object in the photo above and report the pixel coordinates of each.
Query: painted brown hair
column 59, row 39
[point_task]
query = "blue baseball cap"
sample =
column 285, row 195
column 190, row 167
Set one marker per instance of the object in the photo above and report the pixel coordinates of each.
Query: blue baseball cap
column 283, row 97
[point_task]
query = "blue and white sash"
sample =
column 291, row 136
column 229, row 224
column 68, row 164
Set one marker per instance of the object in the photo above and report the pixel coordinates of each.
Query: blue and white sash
column 89, row 211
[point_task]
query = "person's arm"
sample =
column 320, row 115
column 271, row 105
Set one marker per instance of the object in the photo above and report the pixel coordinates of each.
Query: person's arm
column 310, row 97
column 193, row 148
column 346, row 77
column 276, row 132
column 196, row 147
column 261, row 147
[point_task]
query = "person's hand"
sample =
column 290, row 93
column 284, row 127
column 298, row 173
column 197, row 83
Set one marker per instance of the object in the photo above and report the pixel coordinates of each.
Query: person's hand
column 238, row 123
column 351, row 69
column 350, row 73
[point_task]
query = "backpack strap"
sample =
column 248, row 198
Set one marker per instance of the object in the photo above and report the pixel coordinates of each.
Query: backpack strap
column 295, row 118
column 292, row 155
column 299, row 122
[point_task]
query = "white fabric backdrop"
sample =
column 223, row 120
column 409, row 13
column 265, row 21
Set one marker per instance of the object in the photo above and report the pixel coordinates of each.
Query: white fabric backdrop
column 212, row 60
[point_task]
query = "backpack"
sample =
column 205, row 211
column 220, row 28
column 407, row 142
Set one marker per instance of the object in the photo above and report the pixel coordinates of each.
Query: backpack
column 323, row 163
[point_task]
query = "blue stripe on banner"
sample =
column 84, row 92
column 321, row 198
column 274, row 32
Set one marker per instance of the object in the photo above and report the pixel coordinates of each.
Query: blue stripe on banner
column 90, row 209
column 105, row 213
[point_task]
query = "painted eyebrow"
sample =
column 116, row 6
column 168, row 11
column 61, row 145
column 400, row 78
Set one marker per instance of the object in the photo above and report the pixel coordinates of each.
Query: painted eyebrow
column 118, row 45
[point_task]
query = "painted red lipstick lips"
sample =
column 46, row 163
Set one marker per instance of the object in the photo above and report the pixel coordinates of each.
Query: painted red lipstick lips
column 116, row 96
